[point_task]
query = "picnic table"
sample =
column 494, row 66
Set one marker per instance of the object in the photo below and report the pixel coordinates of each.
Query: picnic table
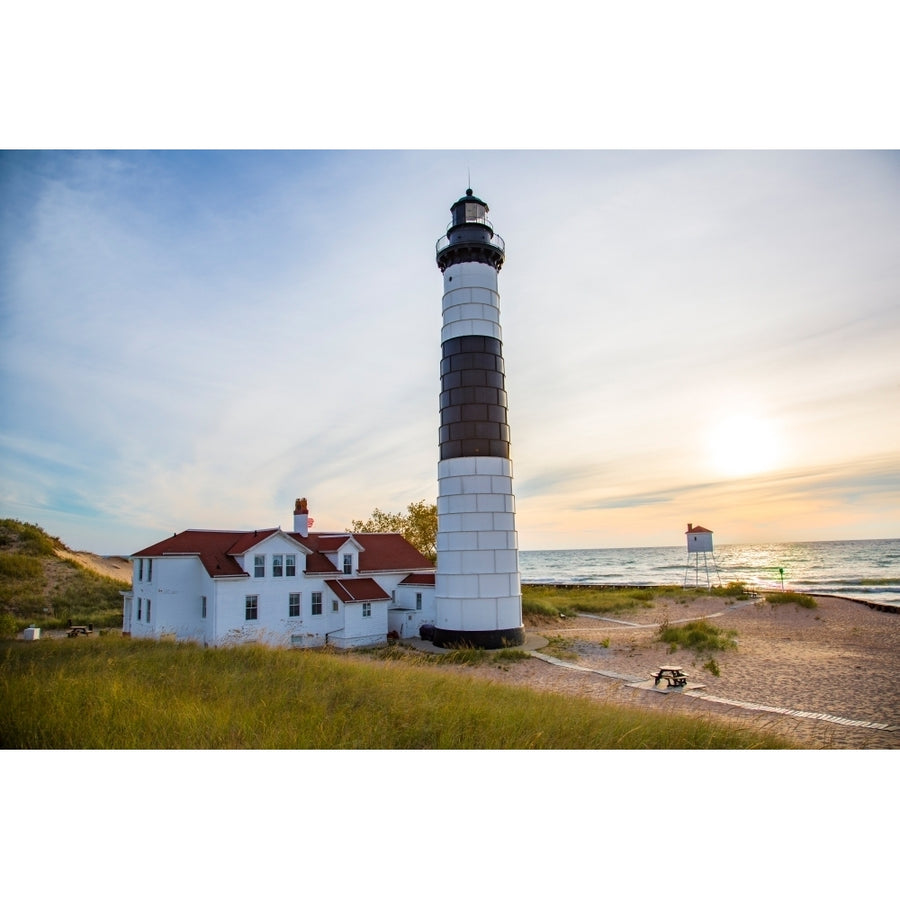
column 75, row 630
column 674, row 675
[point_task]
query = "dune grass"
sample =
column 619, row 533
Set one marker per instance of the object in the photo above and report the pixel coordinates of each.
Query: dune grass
column 542, row 601
column 39, row 588
column 803, row 600
column 112, row 693
column 700, row 636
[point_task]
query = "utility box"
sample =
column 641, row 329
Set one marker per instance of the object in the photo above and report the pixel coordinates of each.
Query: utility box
column 32, row 634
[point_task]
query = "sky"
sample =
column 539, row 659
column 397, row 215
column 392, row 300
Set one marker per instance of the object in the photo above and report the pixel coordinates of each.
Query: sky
column 194, row 339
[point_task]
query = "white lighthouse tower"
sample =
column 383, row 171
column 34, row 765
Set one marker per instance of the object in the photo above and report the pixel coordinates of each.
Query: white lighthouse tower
column 700, row 548
column 478, row 594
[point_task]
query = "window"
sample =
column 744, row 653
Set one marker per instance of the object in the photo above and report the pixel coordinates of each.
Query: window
column 251, row 607
column 334, row 604
column 474, row 212
column 348, row 564
column 203, row 607
column 259, row 567
column 139, row 609
column 148, row 610
column 149, row 578
column 290, row 565
column 293, row 604
column 316, row 605
column 367, row 610
column 418, row 600
column 278, row 565
column 140, row 571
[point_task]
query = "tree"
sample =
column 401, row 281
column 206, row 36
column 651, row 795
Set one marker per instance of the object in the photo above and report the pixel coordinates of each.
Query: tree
column 418, row 525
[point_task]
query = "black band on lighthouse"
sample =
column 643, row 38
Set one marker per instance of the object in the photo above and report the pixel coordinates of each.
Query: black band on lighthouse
column 487, row 640
column 473, row 398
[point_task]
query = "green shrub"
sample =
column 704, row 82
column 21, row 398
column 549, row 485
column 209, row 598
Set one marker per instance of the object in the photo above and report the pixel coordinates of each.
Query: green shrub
column 712, row 667
column 30, row 539
column 732, row 589
column 699, row 636
column 463, row 655
column 566, row 600
column 511, row 654
column 560, row 647
column 541, row 607
column 8, row 625
column 19, row 566
column 803, row 600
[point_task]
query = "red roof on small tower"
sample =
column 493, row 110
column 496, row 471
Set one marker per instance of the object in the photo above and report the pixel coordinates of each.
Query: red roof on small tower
column 697, row 529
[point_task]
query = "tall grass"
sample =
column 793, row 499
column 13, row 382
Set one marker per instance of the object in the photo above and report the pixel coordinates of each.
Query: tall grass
column 27, row 538
column 803, row 600
column 700, row 636
column 39, row 588
column 541, row 601
column 112, row 693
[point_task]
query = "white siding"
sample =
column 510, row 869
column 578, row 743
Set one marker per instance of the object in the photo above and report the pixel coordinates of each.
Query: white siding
column 179, row 582
column 701, row 542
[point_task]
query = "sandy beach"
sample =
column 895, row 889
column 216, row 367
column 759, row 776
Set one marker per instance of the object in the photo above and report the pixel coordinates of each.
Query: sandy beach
column 823, row 677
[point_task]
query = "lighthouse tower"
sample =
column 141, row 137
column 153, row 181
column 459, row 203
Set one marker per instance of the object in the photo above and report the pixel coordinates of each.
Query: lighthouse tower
column 478, row 594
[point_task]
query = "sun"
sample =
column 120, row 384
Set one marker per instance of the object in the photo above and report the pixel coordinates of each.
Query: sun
column 743, row 444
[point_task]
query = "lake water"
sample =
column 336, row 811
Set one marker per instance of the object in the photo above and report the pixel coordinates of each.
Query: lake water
column 865, row 570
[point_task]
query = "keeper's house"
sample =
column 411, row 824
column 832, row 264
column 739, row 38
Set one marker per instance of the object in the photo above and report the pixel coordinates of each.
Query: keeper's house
column 284, row 589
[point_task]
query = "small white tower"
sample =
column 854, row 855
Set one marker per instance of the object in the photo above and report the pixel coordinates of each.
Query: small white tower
column 478, row 595
column 700, row 543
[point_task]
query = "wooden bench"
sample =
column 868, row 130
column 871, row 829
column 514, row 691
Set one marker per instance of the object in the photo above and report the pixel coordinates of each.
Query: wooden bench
column 674, row 675
column 75, row 630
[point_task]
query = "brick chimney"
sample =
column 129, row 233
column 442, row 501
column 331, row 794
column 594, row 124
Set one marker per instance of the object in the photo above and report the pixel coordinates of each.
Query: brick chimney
column 301, row 517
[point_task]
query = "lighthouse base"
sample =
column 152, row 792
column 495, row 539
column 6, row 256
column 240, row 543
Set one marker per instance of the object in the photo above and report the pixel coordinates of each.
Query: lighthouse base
column 485, row 640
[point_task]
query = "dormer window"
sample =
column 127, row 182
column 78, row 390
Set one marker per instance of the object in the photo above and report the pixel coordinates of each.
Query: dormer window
column 348, row 563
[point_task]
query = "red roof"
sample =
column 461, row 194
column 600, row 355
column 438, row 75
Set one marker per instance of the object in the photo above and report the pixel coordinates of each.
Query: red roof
column 419, row 578
column 697, row 529
column 218, row 550
column 328, row 543
column 213, row 547
column 319, row 564
column 251, row 539
column 357, row 590
column 386, row 552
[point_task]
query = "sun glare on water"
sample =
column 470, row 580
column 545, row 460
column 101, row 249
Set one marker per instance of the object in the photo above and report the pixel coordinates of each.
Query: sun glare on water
column 743, row 445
